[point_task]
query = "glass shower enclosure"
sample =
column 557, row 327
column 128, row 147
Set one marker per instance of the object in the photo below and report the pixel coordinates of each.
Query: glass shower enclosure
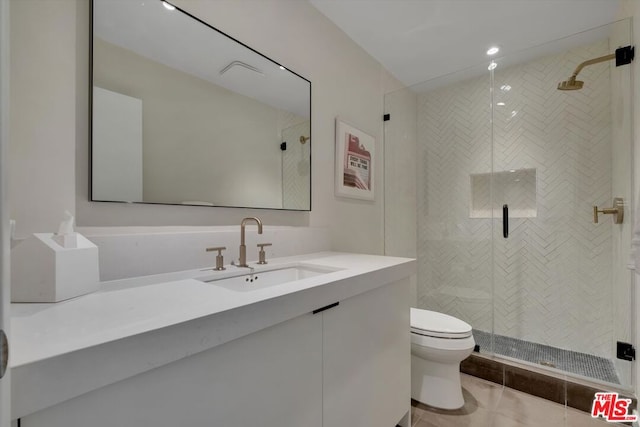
column 508, row 176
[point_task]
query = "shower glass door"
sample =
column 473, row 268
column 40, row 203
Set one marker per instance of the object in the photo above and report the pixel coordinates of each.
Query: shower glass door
column 562, row 288
column 438, row 168
column 455, row 273
column 545, row 286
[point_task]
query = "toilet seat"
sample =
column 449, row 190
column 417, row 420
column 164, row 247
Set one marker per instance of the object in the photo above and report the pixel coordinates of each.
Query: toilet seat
column 438, row 325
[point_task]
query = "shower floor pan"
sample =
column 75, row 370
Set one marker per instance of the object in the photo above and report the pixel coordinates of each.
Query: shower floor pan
column 582, row 364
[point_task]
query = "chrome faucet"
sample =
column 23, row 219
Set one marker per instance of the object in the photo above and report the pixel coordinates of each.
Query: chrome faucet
column 243, row 248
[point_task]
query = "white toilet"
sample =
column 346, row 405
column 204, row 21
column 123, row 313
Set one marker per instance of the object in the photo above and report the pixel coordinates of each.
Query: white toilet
column 439, row 343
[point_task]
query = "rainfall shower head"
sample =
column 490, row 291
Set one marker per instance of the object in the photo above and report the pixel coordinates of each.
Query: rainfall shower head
column 572, row 83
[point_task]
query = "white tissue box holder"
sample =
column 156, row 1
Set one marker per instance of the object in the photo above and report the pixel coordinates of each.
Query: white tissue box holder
column 42, row 270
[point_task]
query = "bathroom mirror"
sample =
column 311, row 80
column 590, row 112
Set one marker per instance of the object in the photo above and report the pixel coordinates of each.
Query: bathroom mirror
column 184, row 114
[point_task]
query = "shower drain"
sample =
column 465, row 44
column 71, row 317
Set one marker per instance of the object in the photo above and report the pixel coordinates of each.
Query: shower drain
column 547, row 363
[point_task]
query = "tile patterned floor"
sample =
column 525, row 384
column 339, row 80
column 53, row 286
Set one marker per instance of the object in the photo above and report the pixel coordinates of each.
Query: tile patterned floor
column 582, row 364
column 491, row 405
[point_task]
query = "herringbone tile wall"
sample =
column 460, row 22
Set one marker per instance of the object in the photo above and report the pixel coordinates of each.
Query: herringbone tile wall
column 552, row 277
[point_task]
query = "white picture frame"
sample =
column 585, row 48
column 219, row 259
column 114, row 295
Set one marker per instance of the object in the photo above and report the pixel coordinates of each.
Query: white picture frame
column 355, row 160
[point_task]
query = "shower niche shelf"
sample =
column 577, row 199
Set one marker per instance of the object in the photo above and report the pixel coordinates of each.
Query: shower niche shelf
column 515, row 187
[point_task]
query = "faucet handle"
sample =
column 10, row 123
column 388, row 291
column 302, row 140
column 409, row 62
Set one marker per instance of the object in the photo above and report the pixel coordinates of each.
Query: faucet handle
column 219, row 257
column 261, row 254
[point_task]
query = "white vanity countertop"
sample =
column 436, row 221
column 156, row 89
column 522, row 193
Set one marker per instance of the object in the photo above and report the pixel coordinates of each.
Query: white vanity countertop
column 153, row 320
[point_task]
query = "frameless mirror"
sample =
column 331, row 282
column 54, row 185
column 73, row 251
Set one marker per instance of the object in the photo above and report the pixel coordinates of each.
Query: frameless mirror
column 184, row 114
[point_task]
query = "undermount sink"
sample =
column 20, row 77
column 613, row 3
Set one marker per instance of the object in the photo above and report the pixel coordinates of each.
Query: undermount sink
column 264, row 279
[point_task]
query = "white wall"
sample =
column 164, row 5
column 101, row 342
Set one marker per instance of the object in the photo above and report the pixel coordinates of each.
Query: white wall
column 43, row 112
column 53, row 36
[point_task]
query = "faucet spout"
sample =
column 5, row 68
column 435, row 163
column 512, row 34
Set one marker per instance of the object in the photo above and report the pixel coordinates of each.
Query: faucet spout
column 243, row 248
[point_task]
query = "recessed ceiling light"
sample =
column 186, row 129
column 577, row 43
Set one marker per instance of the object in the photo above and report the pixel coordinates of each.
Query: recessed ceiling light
column 282, row 68
column 168, row 6
column 493, row 50
column 505, row 88
column 501, row 104
column 492, row 66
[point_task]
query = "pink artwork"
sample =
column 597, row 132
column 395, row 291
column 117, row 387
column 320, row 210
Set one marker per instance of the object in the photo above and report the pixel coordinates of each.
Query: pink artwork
column 354, row 162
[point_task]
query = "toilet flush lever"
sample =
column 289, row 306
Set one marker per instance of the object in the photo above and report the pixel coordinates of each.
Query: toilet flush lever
column 617, row 211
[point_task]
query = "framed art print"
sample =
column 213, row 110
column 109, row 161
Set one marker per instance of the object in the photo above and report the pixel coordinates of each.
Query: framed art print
column 355, row 157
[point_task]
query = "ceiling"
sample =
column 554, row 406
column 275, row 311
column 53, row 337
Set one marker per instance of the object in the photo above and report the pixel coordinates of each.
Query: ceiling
column 417, row 40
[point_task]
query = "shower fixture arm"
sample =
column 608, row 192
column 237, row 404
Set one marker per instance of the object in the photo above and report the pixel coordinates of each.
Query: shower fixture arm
column 572, row 83
column 591, row 62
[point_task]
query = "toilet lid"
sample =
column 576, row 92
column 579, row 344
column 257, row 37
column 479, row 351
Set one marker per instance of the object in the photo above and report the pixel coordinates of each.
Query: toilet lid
column 440, row 325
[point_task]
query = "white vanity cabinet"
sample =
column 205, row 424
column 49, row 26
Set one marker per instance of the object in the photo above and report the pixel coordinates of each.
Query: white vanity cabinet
column 366, row 358
column 348, row 365
column 271, row 378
